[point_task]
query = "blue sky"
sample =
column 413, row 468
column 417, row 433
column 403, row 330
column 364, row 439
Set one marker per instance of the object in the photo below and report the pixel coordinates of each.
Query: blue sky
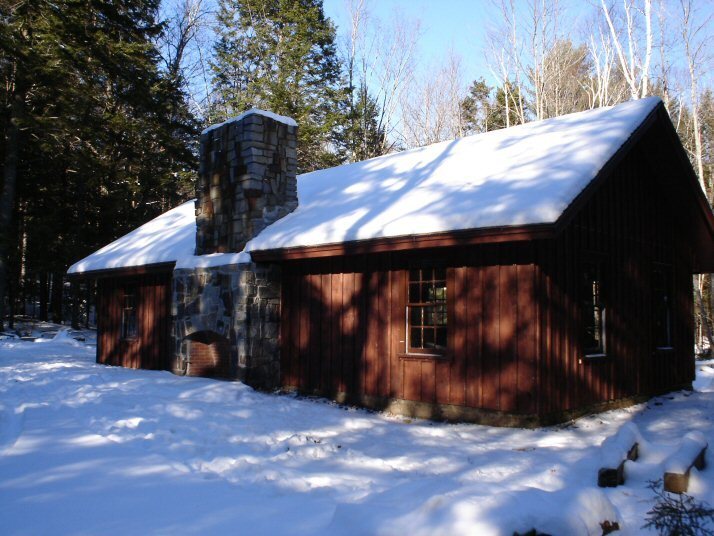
column 458, row 24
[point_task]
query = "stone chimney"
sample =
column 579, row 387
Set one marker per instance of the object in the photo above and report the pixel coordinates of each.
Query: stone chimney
column 247, row 179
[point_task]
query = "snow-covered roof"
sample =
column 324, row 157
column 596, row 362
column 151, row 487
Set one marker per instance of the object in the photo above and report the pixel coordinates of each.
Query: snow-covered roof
column 527, row 174
column 168, row 237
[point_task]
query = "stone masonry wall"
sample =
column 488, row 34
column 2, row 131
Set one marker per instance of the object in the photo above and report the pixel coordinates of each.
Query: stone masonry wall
column 226, row 318
column 241, row 304
column 247, row 180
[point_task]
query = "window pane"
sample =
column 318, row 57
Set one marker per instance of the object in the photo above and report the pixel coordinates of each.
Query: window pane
column 441, row 338
column 428, row 318
column 591, row 309
column 427, row 292
column 428, row 338
column 129, row 326
column 415, row 315
column 426, row 308
column 414, row 295
column 415, row 338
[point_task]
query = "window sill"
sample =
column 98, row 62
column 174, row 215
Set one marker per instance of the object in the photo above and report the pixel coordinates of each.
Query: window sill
column 426, row 357
column 594, row 358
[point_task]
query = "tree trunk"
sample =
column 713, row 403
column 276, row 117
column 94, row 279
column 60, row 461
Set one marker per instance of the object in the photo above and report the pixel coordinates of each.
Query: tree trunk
column 11, row 289
column 57, row 297
column 75, row 304
column 88, row 306
column 7, row 201
column 705, row 320
column 44, row 291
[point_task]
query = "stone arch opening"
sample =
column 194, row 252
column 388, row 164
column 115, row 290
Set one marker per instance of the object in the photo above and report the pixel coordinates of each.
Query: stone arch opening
column 208, row 355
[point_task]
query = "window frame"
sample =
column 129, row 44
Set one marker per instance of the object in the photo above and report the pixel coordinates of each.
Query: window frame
column 667, row 271
column 595, row 304
column 129, row 322
column 441, row 303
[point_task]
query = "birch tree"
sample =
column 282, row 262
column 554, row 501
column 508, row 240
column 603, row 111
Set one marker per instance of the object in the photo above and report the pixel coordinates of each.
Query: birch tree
column 183, row 45
column 693, row 40
column 633, row 47
column 432, row 112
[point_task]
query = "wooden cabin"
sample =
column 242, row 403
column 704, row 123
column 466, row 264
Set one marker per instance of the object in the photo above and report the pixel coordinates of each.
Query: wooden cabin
column 519, row 277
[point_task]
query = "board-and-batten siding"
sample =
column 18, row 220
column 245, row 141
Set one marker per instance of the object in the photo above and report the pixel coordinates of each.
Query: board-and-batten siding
column 514, row 320
column 344, row 332
column 151, row 348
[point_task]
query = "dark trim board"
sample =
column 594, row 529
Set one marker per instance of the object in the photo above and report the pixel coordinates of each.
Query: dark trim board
column 161, row 267
column 489, row 235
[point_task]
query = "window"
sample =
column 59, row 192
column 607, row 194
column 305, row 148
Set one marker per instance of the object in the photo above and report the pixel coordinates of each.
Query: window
column 426, row 310
column 592, row 309
column 662, row 306
column 128, row 315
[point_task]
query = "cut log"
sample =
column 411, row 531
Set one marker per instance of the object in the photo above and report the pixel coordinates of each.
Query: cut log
column 691, row 453
column 614, row 452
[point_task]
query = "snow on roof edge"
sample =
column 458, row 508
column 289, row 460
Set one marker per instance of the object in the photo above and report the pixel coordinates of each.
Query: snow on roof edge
column 253, row 111
column 163, row 239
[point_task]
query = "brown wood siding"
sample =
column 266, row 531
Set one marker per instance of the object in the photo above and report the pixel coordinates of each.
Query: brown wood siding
column 514, row 340
column 351, row 325
column 628, row 225
column 152, row 346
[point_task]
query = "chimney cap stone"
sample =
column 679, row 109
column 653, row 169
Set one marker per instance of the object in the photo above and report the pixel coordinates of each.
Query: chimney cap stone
column 254, row 111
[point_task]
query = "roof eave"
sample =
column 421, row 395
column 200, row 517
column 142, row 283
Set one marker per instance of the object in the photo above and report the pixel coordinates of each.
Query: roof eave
column 488, row 235
column 124, row 271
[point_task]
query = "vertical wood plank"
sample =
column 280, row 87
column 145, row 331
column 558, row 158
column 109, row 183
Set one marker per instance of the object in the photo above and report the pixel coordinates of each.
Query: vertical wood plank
column 473, row 335
column 411, row 372
column 490, row 357
column 337, row 315
column 326, row 351
column 304, row 340
column 526, row 337
column 428, row 381
column 296, row 367
column 458, row 312
column 348, row 330
column 315, row 293
column 508, row 314
column 361, row 292
column 398, row 338
column 371, row 344
column 286, row 378
column 384, row 331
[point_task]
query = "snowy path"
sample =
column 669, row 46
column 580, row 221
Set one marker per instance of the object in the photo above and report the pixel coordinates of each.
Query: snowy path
column 93, row 449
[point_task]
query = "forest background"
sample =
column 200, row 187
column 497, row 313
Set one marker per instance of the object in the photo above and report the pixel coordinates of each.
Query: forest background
column 102, row 102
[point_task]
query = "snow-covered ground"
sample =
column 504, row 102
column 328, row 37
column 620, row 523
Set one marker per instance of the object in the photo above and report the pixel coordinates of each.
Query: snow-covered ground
column 89, row 449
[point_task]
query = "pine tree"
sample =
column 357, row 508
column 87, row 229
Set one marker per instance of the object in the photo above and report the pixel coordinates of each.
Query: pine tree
column 364, row 137
column 477, row 108
column 104, row 133
column 280, row 55
column 484, row 111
